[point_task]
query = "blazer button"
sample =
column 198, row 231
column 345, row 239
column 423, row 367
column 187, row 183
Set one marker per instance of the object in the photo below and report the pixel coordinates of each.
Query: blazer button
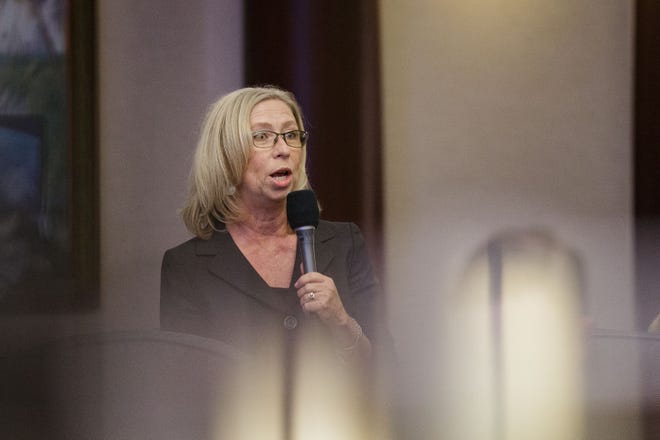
column 290, row 322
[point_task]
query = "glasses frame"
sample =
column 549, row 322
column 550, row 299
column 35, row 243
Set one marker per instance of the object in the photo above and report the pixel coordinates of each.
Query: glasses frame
column 303, row 138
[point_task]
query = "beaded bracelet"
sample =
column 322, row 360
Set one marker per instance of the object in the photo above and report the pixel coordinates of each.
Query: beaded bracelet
column 357, row 330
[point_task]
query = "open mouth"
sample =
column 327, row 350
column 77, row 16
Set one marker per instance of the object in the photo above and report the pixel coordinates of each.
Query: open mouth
column 281, row 175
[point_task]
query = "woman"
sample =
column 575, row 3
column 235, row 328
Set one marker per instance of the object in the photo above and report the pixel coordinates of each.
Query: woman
column 239, row 279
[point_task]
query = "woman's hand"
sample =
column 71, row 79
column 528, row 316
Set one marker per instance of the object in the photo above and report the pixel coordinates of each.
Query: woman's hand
column 318, row 294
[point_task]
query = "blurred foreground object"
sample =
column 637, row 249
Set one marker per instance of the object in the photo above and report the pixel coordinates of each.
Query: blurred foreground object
column 516, row 343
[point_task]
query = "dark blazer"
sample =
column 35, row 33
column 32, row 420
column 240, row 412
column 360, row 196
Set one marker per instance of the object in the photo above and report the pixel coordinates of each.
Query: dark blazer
column 209, row 288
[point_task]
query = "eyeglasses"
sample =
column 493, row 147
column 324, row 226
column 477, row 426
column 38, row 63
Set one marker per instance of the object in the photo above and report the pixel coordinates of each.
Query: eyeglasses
column 268, row 139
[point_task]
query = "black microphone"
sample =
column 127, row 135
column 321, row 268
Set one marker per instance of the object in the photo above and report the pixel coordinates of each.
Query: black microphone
column 302, row 211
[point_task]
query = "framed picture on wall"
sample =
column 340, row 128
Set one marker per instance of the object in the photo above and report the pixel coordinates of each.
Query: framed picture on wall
column 49, row 247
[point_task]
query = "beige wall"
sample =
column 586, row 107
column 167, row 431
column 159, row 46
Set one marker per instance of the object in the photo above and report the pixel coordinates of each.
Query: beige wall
column 501, row 115
column 507, row 114
column 161, row 65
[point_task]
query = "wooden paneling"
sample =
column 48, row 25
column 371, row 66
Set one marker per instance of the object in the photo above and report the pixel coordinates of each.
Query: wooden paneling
column 647, row 161
column 326, row 53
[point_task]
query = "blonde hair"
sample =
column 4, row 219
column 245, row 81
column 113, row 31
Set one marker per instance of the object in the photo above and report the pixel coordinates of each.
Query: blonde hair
column 222, row 155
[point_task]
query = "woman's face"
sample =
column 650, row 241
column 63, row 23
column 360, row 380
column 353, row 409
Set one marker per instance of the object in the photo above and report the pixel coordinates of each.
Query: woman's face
column 268, row 177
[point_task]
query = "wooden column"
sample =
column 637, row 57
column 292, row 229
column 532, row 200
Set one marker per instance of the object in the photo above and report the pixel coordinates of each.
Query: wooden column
column 326, row 52
column 647, row 200
column 647, row 161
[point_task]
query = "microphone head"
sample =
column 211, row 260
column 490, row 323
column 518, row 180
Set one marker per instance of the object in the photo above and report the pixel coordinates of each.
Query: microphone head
column 302, row 209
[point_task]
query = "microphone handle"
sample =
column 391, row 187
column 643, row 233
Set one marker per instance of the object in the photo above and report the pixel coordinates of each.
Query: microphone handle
column 306, row 240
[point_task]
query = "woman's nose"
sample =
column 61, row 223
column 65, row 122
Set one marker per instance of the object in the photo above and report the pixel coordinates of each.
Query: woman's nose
column 280, row 146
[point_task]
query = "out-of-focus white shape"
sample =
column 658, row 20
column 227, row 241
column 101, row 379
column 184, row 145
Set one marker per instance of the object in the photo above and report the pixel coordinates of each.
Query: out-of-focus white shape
column 515, row 348
column 331, row 401
column 541, row 340
column 655, row 325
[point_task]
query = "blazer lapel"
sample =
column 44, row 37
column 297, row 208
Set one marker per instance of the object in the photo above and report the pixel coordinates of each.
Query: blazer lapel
column 324, row 254
column 230, row 265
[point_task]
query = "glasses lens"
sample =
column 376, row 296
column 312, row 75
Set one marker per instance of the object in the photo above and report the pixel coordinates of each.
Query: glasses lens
column 263, row 139
column 293, row 138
